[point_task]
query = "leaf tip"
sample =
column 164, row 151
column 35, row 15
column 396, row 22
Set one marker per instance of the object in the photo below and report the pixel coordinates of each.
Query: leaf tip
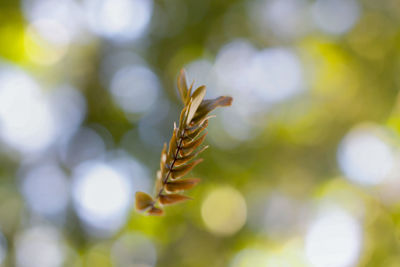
column 143, row 201
column 156, row 211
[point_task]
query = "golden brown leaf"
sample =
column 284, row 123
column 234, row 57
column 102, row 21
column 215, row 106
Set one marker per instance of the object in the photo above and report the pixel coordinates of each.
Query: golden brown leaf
column 172, row 145
column 192, row 146
column 172, row 199
column 182, row 119
column 182, row 86
column 196, row 98
column 194, row 143
column 156, row 211
column 181, row 185
column 192, row 133
column 195, row 127
column 178, row 172
column 182, row 160
column 159, row 182
column 163, row 159
column 189, row 93
column 209, row 105
column 143, row 201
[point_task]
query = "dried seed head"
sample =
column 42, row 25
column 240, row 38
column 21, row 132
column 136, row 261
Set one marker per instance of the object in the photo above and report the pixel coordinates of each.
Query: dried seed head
column 176, row 160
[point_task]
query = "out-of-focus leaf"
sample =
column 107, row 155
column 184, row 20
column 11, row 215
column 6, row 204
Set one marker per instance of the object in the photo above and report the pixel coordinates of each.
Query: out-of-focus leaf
column 173, row 145
column 192, row 146
column 209, row 105
column 182, row 119
column 181, row 185
column 172, row 199
column 159, row 182
column 182, row 86
column 180, row 171
column 143, row 201
column 156, row 211
column 182, row 160
column 202, row 119
column 189, row 92
column 189, row 144
column 194, row 133
column 194, row 130
column 197, row 97
column 163, row 160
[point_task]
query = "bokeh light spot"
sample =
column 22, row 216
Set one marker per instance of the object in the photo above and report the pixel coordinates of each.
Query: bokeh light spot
column 85, row 144
column 120, row 20
column 135, row 89
column 335, row 16
column 250, row 258
column 285, row 18
column 39, row 247
column 134, row 250
column 364, row 157
column 277, row 74
column 224, row 211
column 46, row 41
column 102, row 196
column 67, row 13
column 333, row 240
column 46, row 190
column 26, row 121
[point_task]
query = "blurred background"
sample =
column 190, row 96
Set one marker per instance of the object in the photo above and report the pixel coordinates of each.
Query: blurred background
column 303, row 169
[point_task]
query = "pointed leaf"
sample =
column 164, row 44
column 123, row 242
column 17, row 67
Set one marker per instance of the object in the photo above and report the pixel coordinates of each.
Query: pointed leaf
column 143, row 201
column 187, row 158
column 172, row 145
column 196, row 128
column 180, row 171
column 181, row 185
column 172, row 199
column 208, row 105
column 200, row 120
column 189, row 93
column 163, row 159
column 155, row 211
column 182, row 118
column 190, row 135
column 211, row 104
column 187, row 150
column 182, row 86
column 159, row 182
column 197, row 97
column 194, row 143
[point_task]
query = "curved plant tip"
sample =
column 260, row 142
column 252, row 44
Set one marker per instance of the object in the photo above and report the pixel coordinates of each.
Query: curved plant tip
column 185, row 145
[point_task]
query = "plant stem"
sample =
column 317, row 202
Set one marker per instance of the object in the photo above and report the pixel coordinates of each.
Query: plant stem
column 165, row 180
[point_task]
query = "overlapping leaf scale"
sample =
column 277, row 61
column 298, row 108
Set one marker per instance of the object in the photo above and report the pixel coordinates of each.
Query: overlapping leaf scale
column 143, row 201
column 191, row 146
column 181, row 185
column 182, row 86
column 155, row 211
column 173, row 145
column 178, row 172
column 169, row 199
column 163, row 160
column 196, row 99
column 176, row 162
column 209, row 105
column 191, row 135
column 182, row 160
